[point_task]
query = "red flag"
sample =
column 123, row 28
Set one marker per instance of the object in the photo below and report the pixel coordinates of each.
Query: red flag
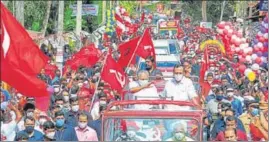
column 145, row 47
column 18, row 47
column 50, row 70
column 118, row 31
column 204, row 66
column 87, row 56
column 21, row 59
column 113, row 74
column 127, row 50
column 26, row 84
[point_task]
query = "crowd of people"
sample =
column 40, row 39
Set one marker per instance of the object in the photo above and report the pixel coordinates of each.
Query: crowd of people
column 235, row 108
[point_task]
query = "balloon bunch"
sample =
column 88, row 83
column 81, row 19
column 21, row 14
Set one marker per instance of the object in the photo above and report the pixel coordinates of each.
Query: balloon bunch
column 255, row 55
column 234, row 41
column 260, row 45
column 110, row 22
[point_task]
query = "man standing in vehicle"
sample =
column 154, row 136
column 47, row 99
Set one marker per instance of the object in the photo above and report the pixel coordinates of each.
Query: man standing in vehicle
column 181, row 89
column 143, row 89
column 150, row 67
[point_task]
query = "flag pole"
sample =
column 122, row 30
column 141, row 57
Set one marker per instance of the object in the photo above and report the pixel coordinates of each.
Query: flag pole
column 134, row 51
column 94, row 95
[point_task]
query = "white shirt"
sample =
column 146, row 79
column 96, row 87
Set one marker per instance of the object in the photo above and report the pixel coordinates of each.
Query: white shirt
column 8, row 130
column 182, row 91
column 95, row 113
column 20, row 125
column 150, row 92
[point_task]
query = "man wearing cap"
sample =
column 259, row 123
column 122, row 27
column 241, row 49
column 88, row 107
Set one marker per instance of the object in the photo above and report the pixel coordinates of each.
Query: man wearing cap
column 236, row 104
column 246, row 117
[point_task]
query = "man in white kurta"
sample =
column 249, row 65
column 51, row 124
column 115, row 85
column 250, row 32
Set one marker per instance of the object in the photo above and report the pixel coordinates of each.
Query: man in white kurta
column 143, row 90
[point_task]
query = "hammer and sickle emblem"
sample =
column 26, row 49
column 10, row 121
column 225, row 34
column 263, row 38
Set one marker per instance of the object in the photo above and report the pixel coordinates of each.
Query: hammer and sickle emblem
column 147, row 47
column 120, row 78
column 127, row 51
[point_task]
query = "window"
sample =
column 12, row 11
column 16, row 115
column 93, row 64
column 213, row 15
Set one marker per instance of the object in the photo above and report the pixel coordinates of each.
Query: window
column 150, row 129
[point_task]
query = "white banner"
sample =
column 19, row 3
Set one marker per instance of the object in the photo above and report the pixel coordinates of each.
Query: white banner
column 87, row 9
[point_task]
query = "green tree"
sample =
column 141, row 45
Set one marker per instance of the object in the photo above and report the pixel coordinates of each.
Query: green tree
column 34, row 14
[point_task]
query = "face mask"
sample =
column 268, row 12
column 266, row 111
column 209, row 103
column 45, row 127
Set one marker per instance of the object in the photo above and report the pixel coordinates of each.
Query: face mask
column 148, row 67
column 57, row 90
column 219, row 110
column 219, row 97
column 102, row 103
column 50, row 135
column 80, row 84
column 42, row 121
column 143, row 82
column 179, row 136
column 255, row 112
column 4, row 105
column 66, row 98
column 230, row 94
column 5, row 117
column 75, row 108
column 59, row 123
column 29, row 129
column 73, row 95
column 29, row 114
column 131, row 134
column 178, row 77
column 82, row 125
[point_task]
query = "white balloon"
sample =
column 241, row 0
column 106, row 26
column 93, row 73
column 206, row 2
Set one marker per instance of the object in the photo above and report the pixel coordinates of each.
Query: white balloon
column 265, row 35
column 220, row 31
column 265, row 25
column 247, row 71
column 230, row 31
column 227, row 27
column 254, row 56
column 237, row 49
column 255, row 67
column 243, row 40
column 248, row 58
column 259, row 45
column 233, row 37
column 250, row 49
column 264, row 59
column 245, row 51
column 242, row 47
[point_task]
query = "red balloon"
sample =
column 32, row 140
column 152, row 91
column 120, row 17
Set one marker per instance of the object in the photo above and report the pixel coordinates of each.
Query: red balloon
column 242, row 60
column 237, row 43
column 240, row 52
column 265, row 49
column 225, row 31
column 261, row 39
column 258, row 60
column 239, row 34
column 221, row 26
column 242, row 68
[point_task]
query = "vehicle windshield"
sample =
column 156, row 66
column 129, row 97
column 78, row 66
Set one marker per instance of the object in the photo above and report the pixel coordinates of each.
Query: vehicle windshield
column 162, row 64
column 151, row 129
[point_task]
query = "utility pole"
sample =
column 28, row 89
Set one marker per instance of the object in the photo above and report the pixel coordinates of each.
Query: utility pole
column 19, row 11
column 78, row 17
column 222, row 10
column 60, row 18
column 204, row 11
